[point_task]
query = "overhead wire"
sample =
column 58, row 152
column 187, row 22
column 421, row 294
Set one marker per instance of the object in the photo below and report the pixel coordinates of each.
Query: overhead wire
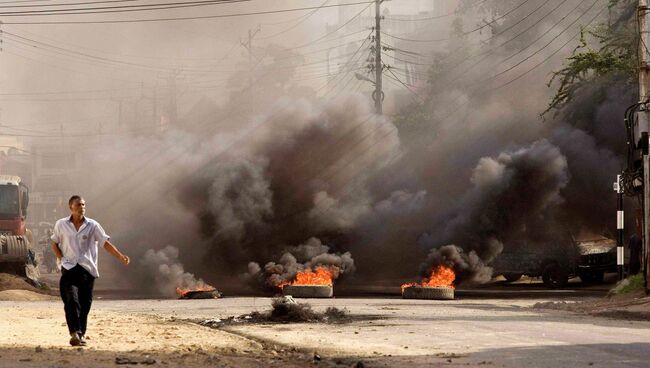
column 118, row 9
column 466, row 32
column 491, row 50
column 542, row 48
column 411, row 19
column 63, row 4
column 303, row 20
column 390, row 160
column 183, row 18
column 486, row 89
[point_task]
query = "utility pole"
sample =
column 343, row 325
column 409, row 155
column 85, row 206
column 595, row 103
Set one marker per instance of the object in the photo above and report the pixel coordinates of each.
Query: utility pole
column 620, row 228
column 644, row 78
column 378, row 94
column 248, row 45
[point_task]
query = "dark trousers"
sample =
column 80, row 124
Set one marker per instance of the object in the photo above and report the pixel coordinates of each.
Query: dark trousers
column 76, row 287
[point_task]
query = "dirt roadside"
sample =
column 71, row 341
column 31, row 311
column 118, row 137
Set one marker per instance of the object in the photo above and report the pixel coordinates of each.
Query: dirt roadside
column 632, row 306
column 37, row 337
column 17, row 288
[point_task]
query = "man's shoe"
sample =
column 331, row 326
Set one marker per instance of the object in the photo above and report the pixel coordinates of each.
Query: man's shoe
column 82, row 340
column 75, row 340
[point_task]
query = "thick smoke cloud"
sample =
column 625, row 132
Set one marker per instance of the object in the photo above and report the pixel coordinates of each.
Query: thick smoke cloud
column 309, row 256
column 466, row 183
column 513, row 200
column 303, row 173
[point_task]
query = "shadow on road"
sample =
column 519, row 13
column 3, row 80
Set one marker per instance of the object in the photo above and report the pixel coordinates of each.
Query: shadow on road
column 589, row 355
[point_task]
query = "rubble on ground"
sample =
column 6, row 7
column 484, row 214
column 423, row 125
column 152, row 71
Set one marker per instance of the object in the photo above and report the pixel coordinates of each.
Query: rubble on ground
column 283, row 310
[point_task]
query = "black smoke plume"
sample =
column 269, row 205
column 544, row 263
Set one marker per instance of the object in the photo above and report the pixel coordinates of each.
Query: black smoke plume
column 309, row 256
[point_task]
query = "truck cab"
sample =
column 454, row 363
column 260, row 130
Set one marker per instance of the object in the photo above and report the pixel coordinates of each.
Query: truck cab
column 14, row 199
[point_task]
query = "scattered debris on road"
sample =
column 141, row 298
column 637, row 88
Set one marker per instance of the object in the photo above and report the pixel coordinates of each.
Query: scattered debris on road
column 283, row 310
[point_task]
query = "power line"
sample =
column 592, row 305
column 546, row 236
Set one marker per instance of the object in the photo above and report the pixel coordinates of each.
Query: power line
column 493, row 49
column 407, row 86
column 335, row 30
column 217, row 16
column 346, row 66
column 489, row 51
column 304, row 19
column 552, row 54
column 73, row 71
column 61, row 4
column 110, row 62
column 390, row 160
column 119, row 9
column 487, row 24
column 465, row 71
column 543, row 47
column 455, row 12
column 491, row 89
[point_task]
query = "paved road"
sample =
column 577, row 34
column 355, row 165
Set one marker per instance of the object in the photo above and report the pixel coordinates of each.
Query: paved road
column 469, row 331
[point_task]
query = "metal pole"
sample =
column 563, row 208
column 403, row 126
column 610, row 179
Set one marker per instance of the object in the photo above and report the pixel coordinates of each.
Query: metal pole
column 378, row 95
column 643, row 51
column 646, row 204
column 620, row 226
column 643, row 97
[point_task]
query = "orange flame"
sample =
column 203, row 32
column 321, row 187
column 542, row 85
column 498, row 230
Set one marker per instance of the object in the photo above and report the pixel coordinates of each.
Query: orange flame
column 441, row 276
column 320, row 276
column 183, row 291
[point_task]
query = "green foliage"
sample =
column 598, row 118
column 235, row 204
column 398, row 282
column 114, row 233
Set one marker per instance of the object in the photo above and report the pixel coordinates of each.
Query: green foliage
column 613, row 60
column 629, row 285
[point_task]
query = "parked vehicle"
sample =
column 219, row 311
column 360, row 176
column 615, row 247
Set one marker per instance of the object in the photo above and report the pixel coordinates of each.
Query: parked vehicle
column 555, row 264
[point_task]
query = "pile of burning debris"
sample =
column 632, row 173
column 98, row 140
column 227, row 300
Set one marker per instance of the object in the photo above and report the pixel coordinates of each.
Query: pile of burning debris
column 283, row 310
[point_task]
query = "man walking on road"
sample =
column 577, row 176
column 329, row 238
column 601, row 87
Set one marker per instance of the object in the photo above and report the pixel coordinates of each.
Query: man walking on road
column 75, row 243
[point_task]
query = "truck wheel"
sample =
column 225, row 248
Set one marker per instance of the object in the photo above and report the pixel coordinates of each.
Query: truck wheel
column 592, row 277
column 512, row 277
column 554, row 276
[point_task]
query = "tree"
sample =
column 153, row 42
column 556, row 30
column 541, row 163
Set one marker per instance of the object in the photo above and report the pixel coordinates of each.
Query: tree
column 613, row 61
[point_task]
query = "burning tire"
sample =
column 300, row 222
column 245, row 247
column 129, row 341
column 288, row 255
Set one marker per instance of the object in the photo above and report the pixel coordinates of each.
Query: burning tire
column 308, row 291
column 426, row 292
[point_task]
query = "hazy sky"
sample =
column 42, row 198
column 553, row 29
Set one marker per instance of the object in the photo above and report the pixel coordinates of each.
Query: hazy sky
column 62, row 74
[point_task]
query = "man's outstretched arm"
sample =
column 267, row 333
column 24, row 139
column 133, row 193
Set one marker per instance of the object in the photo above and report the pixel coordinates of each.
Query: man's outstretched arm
column 110, row 248
column 57, row 250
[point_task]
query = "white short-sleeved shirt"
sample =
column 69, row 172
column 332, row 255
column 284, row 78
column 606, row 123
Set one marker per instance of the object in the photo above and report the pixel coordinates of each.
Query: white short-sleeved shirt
column 79, row 247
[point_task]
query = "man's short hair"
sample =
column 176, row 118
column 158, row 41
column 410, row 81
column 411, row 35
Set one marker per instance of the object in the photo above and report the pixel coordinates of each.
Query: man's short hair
column 73, row 198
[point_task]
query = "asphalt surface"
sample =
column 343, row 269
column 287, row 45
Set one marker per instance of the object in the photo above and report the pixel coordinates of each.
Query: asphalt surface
column 495, row 325
column 392, row 332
